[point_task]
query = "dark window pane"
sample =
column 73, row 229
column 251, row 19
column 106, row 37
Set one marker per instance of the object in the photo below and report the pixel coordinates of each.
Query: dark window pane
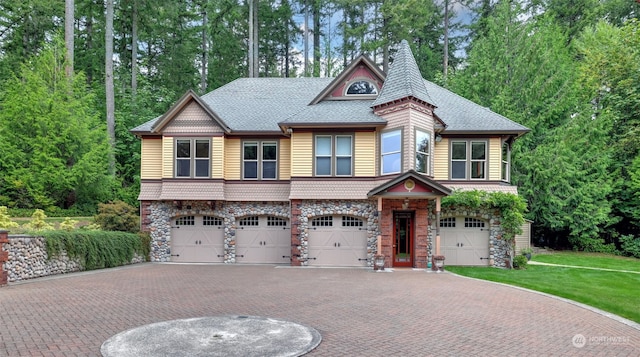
column 459, row 151
column 421, row 163
column 269, row 170
column 202, row 148
column 323, row 166
column 478, row 151
column 269, row 151
column 202, row 168
column 458, row 169
column 183, row 168
column 183, row 148
column 251, row 170
column 477, row 170
column 251, row 151
column 343, row 166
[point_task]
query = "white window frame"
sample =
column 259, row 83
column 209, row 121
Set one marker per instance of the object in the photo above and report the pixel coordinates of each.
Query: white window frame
column 259, row 160
column 426, row 155
column 193, row 159
column 505, row 174
column 383, row 154
column 333, row 155
column 469, row 160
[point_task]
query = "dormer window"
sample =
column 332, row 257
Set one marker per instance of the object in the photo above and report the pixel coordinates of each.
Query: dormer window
column 362, row 87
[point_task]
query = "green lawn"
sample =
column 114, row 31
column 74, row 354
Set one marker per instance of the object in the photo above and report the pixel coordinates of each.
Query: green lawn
column 615, row 292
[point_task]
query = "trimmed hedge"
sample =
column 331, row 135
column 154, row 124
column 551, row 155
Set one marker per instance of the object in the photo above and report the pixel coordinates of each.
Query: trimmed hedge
column 97, row 249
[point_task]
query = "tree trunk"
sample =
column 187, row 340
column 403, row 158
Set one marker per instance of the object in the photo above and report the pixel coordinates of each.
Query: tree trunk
column 253, row 39
column 203, row 70
column 445, row 62
column 134, row 49
column 316, row 38
column 68, row 35
column 306, row 38
column 110, row 101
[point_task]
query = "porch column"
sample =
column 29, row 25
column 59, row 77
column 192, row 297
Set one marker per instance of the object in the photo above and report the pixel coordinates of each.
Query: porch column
column 379, row 237
column 437, row 226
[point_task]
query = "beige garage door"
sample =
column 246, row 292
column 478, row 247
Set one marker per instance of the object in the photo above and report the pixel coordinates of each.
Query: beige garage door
column 464, row 241
column 263, row 240
column 337, row 241
column 197, row 239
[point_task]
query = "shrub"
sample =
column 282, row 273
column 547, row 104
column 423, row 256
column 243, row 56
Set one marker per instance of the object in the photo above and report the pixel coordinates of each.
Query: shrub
column 37, row 222
column 630, row 245
column 95, row 249
column 118, row 216
column 68, row 224
column 5, row 219
column 520, row 262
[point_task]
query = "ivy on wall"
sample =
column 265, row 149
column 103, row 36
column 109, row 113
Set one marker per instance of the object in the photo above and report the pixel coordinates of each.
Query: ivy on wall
column 512, row 207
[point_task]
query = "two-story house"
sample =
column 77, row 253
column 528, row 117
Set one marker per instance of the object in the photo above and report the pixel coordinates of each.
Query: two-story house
column 325, row 171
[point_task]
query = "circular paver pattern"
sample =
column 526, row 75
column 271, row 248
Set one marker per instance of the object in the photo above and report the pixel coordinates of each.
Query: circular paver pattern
column 214, row 336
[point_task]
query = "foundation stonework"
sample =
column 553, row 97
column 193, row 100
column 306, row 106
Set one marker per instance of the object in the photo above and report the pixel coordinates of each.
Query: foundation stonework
column 159, row 215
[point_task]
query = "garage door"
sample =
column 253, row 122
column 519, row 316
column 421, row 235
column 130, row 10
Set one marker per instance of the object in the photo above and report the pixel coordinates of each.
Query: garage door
column 263, row 240
column 197, row 239
column 337, row 241
column 464, row 241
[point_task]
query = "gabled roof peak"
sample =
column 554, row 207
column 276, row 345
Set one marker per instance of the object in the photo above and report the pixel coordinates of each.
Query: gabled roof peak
column 404, row 79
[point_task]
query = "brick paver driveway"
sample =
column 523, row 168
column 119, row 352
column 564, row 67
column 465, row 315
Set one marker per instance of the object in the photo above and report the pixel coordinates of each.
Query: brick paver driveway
column 358, row 312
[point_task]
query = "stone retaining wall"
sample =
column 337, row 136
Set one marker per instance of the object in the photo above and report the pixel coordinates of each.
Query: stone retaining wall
column 26, row 258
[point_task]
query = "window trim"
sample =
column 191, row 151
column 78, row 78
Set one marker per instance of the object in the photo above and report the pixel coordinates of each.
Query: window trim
column 469, row 160
column 427, row 154
column 505, row 174
column 383, row 154
column 333, row 155
column 193, row 159
column 260, row 144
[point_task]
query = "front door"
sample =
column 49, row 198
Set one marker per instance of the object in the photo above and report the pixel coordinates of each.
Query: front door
column 403, row 239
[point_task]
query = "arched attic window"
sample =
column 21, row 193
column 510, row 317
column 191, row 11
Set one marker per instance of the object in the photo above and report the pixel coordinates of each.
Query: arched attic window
column 362, row 87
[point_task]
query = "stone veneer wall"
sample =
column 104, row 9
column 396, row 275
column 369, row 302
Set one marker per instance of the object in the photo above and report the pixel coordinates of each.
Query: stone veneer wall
column 304, row 210
column 499, row 249
column 159, row 216
column 27, row 258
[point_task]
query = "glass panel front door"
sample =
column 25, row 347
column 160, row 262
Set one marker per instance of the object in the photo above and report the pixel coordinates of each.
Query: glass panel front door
column 403, row 239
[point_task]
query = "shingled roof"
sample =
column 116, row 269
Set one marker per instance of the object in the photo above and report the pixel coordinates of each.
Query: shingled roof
column 270, row 105
column 404, row 79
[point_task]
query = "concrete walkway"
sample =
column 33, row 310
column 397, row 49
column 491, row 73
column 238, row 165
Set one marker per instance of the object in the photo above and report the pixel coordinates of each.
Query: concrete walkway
column 357, row 312
column 583, row 267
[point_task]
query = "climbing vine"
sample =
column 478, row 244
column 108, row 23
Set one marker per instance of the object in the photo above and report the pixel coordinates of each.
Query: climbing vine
column 512, row 207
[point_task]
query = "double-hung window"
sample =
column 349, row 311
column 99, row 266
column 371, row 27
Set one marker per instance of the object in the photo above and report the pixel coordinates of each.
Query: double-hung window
column 333, row 155
column 391, row 152
column 468, row 160
column 506, row 162
column 193, row 157
column 423, row 146
column 259, row 160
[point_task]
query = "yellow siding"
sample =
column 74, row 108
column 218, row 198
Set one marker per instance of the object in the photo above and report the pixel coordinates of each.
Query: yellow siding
column 365, row 154
column 301, row 154
column 151, row 159
column 285, row 159
column 167, row 157
column 232, row 159
column 495, row 159
column 441, row 160
column 217, row 157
